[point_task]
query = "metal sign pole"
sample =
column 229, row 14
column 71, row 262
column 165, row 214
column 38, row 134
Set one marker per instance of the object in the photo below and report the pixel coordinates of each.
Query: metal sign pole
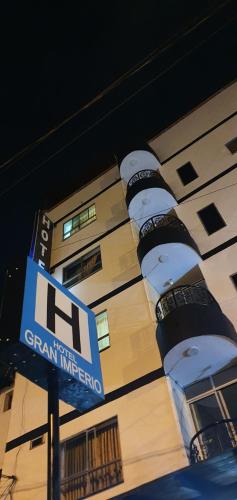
column 64, row 351
column 53, row 487
column 49, row 447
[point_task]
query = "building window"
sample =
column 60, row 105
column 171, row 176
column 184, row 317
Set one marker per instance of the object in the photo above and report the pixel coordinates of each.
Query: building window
column 83, row 267
column 36, row 442
column 211, row 218
column 91, row 462
column 232, row 145
column 102, row 326
column 213, row 400
column 79, row 221
column 187, row 173
column 234, row 279
column 8, row 401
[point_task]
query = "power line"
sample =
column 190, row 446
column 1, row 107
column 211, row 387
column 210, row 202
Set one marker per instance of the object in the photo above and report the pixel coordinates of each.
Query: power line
column 157, row 52
column 122, row 103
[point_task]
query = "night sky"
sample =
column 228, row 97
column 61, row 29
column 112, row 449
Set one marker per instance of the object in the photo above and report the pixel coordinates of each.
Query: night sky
column 57, row 57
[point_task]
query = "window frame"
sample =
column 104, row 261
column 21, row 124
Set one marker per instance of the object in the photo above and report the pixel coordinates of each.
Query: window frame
column 229, row 144
column 42, row 437
column 106, row 335
column 193, row 171
column 74, row 280
column 7, row 403
column 218, row 214
column 79, row 226
column 85, row 434
column 233, row 281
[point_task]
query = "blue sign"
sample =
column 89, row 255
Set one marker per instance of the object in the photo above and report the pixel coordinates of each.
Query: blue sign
column 61, row 329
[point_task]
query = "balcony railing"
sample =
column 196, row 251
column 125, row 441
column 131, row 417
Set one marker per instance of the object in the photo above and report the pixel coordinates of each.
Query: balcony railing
column 213, row 439
column 181, row 296
column 91, row 481
column 159, row 221
column 143, row 174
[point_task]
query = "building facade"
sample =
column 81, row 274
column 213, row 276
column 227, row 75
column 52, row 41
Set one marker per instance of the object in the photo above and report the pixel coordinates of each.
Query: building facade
column 150, row 246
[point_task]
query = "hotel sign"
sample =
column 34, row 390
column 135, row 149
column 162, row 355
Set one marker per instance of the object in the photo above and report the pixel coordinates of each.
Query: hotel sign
column 42, row 243
column 62, row 330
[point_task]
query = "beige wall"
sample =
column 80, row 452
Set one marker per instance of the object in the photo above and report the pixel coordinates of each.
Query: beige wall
column 83, row 195
column 119, row 265
column 150, row 440
column 209, row 156
column 110, row 211
column 217, row 271
column 223, row 193
column 133, row 353
column 4, row 424
column 196, row 123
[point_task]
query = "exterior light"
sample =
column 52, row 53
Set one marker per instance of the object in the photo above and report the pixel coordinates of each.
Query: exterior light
column 191, row 351
column 162, row 259
column 169, row 282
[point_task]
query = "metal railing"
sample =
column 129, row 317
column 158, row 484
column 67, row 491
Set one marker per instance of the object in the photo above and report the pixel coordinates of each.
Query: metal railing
column 88, row 482
column 143, row 174
column 180, row 296
column 162, row 220
column 213, row 439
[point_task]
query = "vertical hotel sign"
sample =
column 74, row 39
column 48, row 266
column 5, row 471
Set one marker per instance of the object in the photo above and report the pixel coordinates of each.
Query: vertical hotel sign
column 42, row 241
column 61, row 329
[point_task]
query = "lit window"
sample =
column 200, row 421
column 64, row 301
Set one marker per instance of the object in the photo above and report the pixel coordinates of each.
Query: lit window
column 79, row 221
column 83, row 267
column 102, row 326
column 187, row 173
column 8, row 401
column 232, row 145
column 91, row 461
column 36, row 442
column 211, row 219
